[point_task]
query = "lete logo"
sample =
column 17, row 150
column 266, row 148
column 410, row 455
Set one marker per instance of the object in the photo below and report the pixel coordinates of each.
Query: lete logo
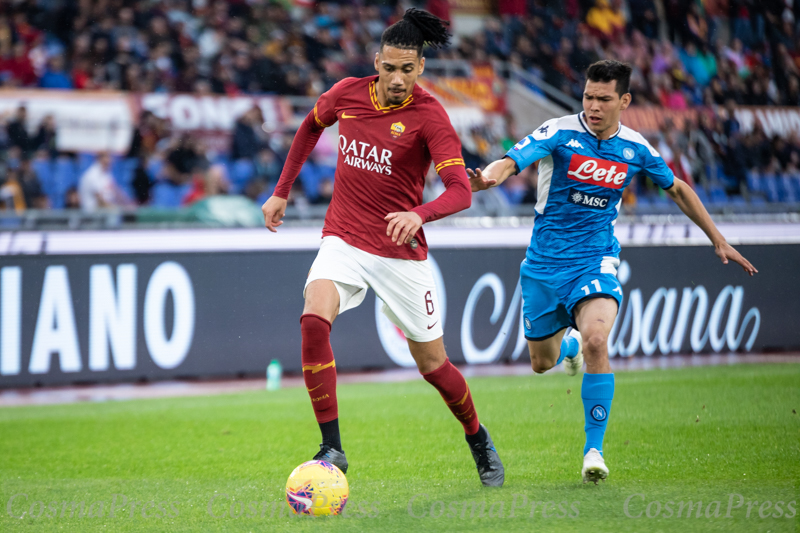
column 597, row 171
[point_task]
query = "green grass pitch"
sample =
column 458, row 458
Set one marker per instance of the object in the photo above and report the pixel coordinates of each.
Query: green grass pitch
column 724, row 436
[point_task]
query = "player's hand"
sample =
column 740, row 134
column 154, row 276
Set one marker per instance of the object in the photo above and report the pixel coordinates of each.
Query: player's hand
column 726, row 252
column 478, row 181
column 402, row 226
column 274, row 209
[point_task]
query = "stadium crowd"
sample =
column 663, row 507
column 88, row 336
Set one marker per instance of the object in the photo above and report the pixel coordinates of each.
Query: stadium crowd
column 718, row 53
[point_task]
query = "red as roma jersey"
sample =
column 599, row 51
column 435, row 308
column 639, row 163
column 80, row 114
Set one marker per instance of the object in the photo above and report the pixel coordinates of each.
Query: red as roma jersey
column 384, row 154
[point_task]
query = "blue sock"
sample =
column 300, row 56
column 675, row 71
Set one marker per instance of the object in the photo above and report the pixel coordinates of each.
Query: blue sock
column 597, row 392
column 569, row 348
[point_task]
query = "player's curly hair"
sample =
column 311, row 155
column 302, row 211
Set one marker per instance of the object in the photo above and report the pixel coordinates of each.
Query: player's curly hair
column 417, row 29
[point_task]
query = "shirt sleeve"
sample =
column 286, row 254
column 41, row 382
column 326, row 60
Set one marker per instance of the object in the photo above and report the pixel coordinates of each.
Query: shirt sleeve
column 445, row 149
column 535, row 146
column 442, row 140
column 656, row 169
column 325, row 108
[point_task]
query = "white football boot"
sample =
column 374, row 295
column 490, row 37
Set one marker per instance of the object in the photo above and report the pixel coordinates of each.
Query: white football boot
column 594, row 467
column 573, row 365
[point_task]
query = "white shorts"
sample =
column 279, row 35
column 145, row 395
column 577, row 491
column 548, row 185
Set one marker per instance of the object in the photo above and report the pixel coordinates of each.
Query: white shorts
column 405, row 286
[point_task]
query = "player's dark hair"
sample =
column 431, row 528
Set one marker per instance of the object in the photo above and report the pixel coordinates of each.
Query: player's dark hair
column 417, row 29
column 609, row 70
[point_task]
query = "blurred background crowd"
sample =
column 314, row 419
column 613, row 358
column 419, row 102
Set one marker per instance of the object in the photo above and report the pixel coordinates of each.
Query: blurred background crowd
column 717, row 54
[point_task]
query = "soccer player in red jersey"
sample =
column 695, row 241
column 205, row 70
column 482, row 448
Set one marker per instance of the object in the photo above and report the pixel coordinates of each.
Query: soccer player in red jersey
column 390, row 130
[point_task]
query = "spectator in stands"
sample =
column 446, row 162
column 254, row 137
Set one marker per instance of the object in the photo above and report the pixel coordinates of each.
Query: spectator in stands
column 32, row 191
column 55, row 77
column 11, row 194
column 181, row 160
column 18, row 130
column 268, row 166
column 245, row 142
column 142, row 184
column 96, row 188
column 46, row 137
column 205, row 184
column 19, row 68
column 72, row 199
column 607, row 19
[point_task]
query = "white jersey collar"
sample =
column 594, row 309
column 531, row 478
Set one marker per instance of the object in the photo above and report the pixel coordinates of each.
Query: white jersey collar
column 582, row 120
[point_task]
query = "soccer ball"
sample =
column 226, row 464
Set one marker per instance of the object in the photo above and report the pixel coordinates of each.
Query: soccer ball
column 317, row 488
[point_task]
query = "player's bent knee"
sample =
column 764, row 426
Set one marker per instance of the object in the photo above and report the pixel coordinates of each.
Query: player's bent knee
column 595, row 345
column 540, row 365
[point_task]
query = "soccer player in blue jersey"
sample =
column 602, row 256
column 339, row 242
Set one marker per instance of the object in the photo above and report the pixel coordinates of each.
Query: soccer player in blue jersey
column 568, row 276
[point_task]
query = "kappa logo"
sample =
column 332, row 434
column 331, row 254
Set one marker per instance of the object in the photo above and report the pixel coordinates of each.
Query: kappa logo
column 587, row 200
column 397, row 129
column 608, row 174
column 574, row 144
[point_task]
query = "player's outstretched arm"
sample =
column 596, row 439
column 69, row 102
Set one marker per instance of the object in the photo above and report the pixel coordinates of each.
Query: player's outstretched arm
column 493, row 175
column 274, row 209
column 690, row 204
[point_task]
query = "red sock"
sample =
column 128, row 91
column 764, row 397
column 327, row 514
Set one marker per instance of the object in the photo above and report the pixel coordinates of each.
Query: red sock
column 455, row 391
column 319, row 367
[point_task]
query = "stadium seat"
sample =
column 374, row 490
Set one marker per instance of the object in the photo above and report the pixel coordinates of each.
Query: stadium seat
column 737, row 200
column 771, row 188
column 786, row 188
column 154, row 167
column 754, row 182
column 701, row 193
column 123, row 170
column 795, row 185
column 167, row 195
column 44, row 171
column 241, row 172
column 65, row 176
column 85, row 160
column 716, row 194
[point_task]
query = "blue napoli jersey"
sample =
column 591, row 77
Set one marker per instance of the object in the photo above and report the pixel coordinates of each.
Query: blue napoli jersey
column 581, row 179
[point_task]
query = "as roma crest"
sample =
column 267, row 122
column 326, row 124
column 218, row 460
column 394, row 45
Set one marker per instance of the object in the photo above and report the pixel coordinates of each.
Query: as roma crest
column 397, row 129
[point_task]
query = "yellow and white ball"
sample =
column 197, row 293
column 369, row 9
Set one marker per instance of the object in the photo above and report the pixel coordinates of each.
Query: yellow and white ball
column 317, row 488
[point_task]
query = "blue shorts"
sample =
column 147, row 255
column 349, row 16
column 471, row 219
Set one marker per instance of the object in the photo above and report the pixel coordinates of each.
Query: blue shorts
column 550, row 292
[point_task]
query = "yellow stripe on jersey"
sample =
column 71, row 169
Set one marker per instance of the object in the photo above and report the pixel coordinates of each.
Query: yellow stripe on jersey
column 318, row 120
column 450, row 163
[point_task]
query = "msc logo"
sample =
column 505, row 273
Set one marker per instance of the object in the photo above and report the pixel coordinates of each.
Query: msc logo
column 397, row 129
column 587, row 200
column 574, row 144
column 609, row 174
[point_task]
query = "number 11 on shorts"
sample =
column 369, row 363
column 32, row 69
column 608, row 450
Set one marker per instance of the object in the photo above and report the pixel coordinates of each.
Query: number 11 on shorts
column 596, row 284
